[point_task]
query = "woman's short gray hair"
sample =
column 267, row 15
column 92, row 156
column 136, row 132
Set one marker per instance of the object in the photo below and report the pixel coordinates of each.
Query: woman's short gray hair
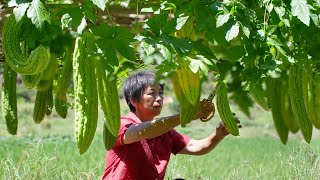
column 134, row 86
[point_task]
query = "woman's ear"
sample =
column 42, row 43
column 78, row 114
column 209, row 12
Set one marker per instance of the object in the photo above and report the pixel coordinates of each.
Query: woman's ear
column 133, row 102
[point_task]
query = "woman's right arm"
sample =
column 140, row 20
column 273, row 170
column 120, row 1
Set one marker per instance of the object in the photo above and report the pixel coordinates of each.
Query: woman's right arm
column 150, row 129
column 159, row 126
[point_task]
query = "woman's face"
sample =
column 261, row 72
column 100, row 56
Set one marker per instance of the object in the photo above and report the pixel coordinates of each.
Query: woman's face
column 151, row 102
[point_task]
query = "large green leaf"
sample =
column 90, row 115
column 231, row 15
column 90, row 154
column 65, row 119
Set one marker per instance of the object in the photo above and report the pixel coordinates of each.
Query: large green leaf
column 155, row 24
column 233, row 31
column 38, row 13
column 222, row 19
column 198, row 63
column 301, row 9
column 115, row 39
column 181, row 21
column 20, row 11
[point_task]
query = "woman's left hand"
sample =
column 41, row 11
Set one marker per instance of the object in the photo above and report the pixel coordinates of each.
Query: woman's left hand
column 221, row 130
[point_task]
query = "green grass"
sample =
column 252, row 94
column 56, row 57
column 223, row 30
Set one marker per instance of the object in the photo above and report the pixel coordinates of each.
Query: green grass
column 250, row 158
column 50, row 157
column 48, row 150
column 56, row 157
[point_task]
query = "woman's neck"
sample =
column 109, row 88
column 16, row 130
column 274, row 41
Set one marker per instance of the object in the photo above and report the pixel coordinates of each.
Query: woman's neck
column 142, row 116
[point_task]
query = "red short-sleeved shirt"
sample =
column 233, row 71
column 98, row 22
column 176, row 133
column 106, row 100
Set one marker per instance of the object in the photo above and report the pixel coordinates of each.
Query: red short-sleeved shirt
column 146, row 159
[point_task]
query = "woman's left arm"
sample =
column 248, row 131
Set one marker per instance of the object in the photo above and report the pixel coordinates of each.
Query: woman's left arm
column 204, row 146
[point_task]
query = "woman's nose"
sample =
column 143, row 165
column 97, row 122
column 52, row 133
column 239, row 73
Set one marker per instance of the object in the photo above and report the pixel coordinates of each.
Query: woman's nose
column 159, row 97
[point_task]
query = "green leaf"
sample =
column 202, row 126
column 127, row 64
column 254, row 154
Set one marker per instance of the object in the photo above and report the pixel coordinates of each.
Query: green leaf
column 104, row 31
column 149, row 49
column 242, row 99
column 155, row 24
column 194, row 65
column 12, row 3
column 287, row 22
column 232, row 32
column 280, row 11
column 269, row 7
column 124, row 33
column 271, row 29
column 165, row 52
column 222, row 19
column 205, row 51
column 100, row 3
column 318, row 3
column 204, row 69
column 169, row 6
column 181, row 21
column 109, row 51
column 216, row 6
column 20, row 11
column 65, row 21
column 164, row 68
column 170, row 27
column 246, row 30
column 82, row 25
column 180, row 45
column 111, row 56
column 107, row 31
column 316, row 19
column 90, row 44
column 274, row 41
column 235, row 53
column 115, row 39
column 91, row 16
column 125, row 49
column 300, row 9
column 224, row 66
column 38, row 13
column 147, row 10
column 76, row 16
column 202, row 19
column 204, row 59
column 15, row 3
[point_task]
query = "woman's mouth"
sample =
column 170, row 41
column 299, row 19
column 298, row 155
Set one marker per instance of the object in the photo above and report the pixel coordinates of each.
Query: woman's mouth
column 158, row 106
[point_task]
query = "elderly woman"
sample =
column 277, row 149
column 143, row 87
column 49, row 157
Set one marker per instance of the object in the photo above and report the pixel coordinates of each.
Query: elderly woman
column 144, row 144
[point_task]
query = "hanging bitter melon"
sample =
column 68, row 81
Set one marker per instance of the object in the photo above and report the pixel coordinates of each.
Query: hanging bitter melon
column 85, row 94
column 222, row 102
column 37, row 60
column 8, row 99
column 64, row 79
column 297, row 101
column 108, row 97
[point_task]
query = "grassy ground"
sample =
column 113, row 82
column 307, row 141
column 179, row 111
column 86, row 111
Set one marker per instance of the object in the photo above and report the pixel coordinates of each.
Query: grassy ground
column 56, row 157
column 48, row 151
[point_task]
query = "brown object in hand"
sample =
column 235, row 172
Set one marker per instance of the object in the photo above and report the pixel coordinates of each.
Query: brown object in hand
column 205, row 119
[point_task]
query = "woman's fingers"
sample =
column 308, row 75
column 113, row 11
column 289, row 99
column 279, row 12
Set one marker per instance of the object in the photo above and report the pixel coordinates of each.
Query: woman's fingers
column 238, row 122
column 235, row 117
